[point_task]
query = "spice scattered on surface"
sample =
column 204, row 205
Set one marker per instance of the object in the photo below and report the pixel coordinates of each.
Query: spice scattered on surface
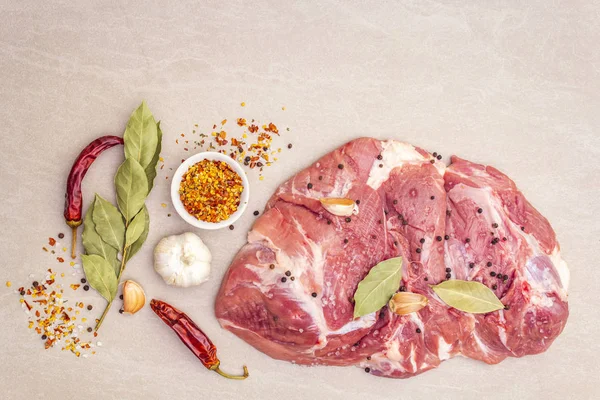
column 8, row 283
column 211, row 191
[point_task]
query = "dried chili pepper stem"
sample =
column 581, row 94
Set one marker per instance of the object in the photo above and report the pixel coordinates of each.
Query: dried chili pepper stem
column 193, row 337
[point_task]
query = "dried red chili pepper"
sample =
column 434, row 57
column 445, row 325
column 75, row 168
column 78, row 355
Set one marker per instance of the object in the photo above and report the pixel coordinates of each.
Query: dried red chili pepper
column 73, row 197
column 192, row 337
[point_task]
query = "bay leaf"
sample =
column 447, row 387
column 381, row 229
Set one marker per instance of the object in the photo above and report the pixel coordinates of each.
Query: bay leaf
column 468, row 296
column 137, row 245
column 376, row 289
column 108, row 222
column 151, row 168
column 93, row 243
column 100, row 275
column 132, row 187
column 140, row 136
column 135, row 229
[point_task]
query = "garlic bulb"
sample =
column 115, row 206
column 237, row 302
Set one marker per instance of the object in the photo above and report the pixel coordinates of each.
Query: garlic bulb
column 182, row 260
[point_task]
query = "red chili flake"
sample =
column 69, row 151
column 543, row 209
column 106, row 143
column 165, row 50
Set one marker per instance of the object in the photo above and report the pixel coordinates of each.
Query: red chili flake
column 241, row 122
column 253, row 128
column 60, row 259
column 51, row 241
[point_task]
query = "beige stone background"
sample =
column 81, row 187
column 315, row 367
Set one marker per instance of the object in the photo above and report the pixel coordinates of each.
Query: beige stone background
column 514, row 84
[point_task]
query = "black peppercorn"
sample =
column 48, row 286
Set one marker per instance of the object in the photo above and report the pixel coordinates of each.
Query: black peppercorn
column 288, row 273
column 418, row 250
column 292, row 278
column 61, row 235
column 35, row 284
column 272, row 266
column 404, row 222
column 44, row 337
column 367, row 370
column 432, row 161
column 504, row 239
column 426, row 279
column 403, row 288
column 422, row 241
column 522, row 228
column 121, row 311
column 448, row 269
column 438, row 238
column 275, row 318
column 310, row 185
column 89, row 329
column 259, row 164
column 395, row 201
column 439, row 157
column 320, row 177
column 357, row 202
column 368, row 357
column 328, row 222
column 448, row 276
column 83, row 280
column 380, row 165
column 89, row 307
column 395, row 243
column 494, row 225
column 289, row 146
column 22, row 293
column 345, row 240
column 432, row 197
column 418, row 330
column 121, row 297
column 494, row 287
column 247, row 159
column 231, row 227
column 380, row 157
column 489, row 264
column 314, row 294
column 348, row 219
column 256, row 213
column 341, row 166
column 507, row 308
column 86, row 288
column 471, row 265
column 434, row 154
column 492, row 273
column 480, row 210
column 467, row 240
column 446, row 237
column 284, row 279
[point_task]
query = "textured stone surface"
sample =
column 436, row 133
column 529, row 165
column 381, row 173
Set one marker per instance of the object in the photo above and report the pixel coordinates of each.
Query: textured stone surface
column 506, row 83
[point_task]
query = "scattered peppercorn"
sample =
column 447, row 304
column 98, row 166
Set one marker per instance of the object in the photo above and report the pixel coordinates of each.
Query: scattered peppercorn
column 89, row 307
column 380, row 165
column 61, row 235
column 341, row 166
column 446, row 237
column 256, row 213
column 86, row 288
column 284, row 279
column 247, row 159
column 310, row 186
column 44, row 337
column 320, row 177
column 275, row 318
column 489, row 264
column 471, row 265
column 438, row 238
column 368, row 357
column 348, row 219
column 448, row 269
column 403, row 288
column 83, row 280
column 404, row 222
column 380, row 157
column 422, row 241
column 386, row 212
column 89, row 329
column 357, row 202
column 367, row 370
column 289, row 146
column 288, row 273
column 418, row 250
column 480, row 210
column 418, row 330
column 494, row 225
column 504, row 239
column 395, row 202
column 507, row 308
column 467, row 240
column 522, row 228
column 121, row 297
column 439, row 157
column 314, row 294
column 35, row 284
column 22, row 293
column 495, row 240
column 328, row 222
column 432, row 197
column 434, row 154
column 426, row 279
column 373, row 236
column 494, row 287
column 379, row 222
column 395, row 243
column 492, row 273
column 272, row 266
column 432, row 161
column 448, row 276
column 231, row 227
column 345, row 241
column 121, row 311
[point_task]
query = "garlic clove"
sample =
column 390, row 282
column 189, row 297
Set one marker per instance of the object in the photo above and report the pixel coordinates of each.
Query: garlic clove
column 134, row 297
column 403, row 303
column 342, row 207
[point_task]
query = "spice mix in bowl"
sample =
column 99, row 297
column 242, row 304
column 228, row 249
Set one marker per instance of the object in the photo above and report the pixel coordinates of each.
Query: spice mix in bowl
column 210, row 190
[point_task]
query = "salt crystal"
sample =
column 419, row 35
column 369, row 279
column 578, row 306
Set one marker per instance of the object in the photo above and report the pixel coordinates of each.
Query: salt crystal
column 99, row 344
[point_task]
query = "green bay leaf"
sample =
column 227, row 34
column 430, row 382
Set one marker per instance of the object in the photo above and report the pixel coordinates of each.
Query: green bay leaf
column 100, row 275
column 468, row 296
column 137, row 245
column 135, row 229
column 93, row 243
column 132, row 187
column 376, row 289
column 108, row 222
column 141, row 136
column 151, row 168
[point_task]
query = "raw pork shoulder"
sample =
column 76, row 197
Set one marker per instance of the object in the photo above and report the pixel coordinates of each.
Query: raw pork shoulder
column 289, row 290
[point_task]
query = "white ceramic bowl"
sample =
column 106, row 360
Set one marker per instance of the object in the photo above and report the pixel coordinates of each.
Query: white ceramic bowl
column 190, row 219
